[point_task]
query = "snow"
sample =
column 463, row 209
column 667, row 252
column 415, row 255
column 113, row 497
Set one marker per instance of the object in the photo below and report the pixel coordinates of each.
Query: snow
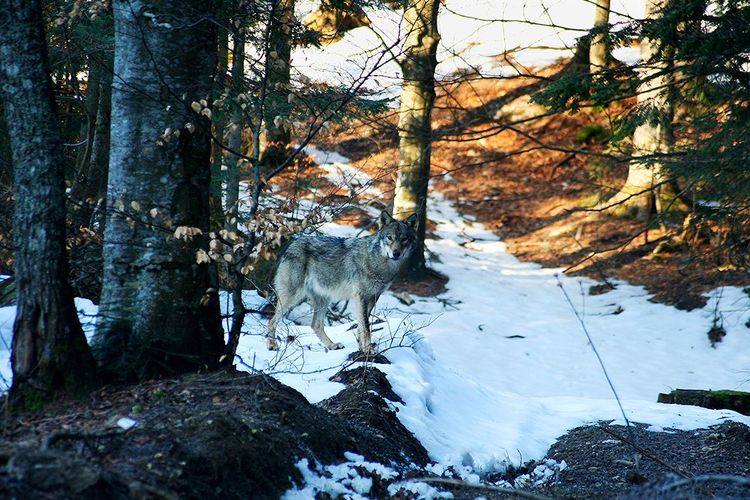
column 474, row 36
column 353, row 480
column 496, row 368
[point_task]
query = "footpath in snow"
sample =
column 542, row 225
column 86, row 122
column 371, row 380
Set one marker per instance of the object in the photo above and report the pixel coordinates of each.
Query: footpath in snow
column 497, row 367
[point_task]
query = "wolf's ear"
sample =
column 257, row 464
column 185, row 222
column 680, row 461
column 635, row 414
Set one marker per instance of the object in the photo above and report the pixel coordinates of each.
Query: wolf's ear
column 385, row 218
column 412, row 221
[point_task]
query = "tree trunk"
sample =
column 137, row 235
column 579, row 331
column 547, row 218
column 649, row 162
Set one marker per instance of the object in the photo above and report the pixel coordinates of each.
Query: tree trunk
column 234, row 135
column 49, row 355
column 159, row 314
column 219, row 125
column 277, row 107
column 91, row 179
column 599, row 49
column 642, row 192
column 415, row 127
column 90, row 108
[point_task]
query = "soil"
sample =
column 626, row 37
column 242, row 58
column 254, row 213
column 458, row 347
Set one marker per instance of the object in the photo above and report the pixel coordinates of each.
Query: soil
column 601, row 464
column 231, row 435
column 226, row 434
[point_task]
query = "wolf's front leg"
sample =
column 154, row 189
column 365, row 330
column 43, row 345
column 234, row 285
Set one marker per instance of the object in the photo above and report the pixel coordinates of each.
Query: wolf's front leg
column 364, row 308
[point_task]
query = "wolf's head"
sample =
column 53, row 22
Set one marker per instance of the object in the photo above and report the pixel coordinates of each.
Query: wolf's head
column 396, row 237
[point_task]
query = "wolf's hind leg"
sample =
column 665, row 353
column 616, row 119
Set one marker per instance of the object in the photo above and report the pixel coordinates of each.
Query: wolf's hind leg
column 320, row 308
column 285, row 302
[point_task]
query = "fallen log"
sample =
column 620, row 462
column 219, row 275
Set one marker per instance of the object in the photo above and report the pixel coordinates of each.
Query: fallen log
column 715, row 400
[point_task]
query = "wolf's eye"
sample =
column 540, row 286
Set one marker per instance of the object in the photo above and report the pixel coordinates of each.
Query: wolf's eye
column 389, row 237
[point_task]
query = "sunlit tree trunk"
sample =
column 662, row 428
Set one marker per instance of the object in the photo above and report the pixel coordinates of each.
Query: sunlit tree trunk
column 599, row 49
column 49, row 356
column 277, row 106
column 158, row 312
column 414, row 125
column 640, row 195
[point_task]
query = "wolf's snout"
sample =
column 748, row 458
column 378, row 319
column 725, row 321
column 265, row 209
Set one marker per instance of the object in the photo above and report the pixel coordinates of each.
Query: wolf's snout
column 396, row 254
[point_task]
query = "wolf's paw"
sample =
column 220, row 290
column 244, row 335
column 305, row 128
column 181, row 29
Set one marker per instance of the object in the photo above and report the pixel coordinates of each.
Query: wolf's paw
column 336, row 346
column 272, row 344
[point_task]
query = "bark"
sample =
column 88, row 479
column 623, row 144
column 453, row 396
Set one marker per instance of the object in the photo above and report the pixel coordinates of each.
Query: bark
column 90, row 107
column 158, row 313
column 415, row 128
column 599, row 49
column 220, row 123
column 714, row 400
column 276, row 130
column 234, row 135
column 49, row 355
column 91, row 180
column 646, row 188
column 232, row 169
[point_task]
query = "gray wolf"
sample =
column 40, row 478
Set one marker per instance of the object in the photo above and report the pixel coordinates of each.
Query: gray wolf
column 324, row 269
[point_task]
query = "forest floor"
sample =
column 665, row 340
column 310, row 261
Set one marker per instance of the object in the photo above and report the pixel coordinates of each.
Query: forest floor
column 530, row 195
column 234, row 435
column 491, row 379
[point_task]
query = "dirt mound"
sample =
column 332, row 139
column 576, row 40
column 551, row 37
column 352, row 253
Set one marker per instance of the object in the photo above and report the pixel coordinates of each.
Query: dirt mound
column 363, row 403
column 224, row 434
column 601, row 465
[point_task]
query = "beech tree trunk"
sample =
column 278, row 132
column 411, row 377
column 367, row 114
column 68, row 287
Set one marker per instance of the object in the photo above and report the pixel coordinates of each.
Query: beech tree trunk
column 599, row 48
column 414, row 125
column 646, row 182
column 276, row 130
column 49, row 355
column 159, row 313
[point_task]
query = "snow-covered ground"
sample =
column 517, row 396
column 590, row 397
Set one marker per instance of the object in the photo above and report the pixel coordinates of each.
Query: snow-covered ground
column 500, row 365
column 496, row 368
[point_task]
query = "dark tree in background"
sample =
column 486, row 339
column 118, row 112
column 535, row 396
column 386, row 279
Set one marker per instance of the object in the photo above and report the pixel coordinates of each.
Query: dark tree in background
column 50, row 357
column 159, row 309
column 277, row 106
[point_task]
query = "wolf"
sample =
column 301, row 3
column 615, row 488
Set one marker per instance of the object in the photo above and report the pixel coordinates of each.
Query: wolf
column 325, row 269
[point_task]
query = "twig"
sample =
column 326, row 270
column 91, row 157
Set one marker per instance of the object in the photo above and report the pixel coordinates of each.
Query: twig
column 486, row 487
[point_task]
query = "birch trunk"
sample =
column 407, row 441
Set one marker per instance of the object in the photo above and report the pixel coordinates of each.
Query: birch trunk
column 49, row 355
column 639, row 195
column 415, row 127
column 276, row 130
column 158, row 313
column 599, row 49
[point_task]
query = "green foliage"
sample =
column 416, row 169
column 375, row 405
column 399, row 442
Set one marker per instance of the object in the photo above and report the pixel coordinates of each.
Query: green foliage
column 707, row 52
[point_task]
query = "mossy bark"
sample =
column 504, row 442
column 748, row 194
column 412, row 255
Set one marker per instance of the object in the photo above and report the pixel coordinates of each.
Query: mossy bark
column 159, row 311
column 716, row 400
column 49, row 357
column 277, row 108
column 415, row 126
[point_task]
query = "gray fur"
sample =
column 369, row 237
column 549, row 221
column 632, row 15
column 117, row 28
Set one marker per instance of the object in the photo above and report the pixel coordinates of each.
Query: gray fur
column 324, row 269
